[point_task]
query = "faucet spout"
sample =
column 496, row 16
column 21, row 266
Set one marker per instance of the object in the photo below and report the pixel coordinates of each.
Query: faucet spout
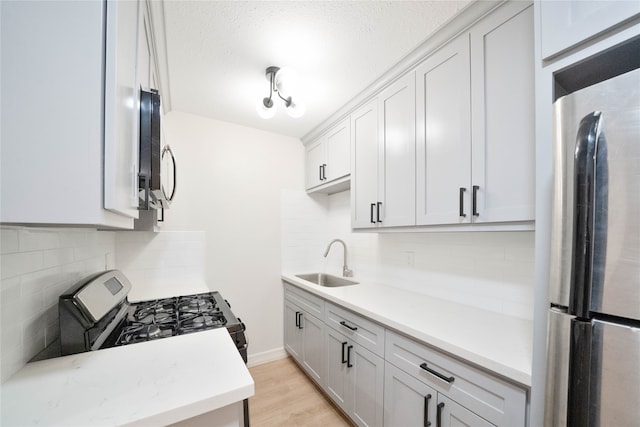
column 345, row 270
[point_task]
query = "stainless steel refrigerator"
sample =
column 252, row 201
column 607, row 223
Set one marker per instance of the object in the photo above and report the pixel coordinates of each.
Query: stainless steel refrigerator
column 593, row 362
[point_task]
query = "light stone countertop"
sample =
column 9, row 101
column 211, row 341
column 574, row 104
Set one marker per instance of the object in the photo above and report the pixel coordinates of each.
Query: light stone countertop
column 151, row 383
column 496, row 342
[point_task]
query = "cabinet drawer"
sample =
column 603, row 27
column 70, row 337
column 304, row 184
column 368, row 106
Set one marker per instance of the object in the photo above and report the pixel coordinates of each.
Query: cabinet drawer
column 368, row 334
column 495, row 400
column 310, row 303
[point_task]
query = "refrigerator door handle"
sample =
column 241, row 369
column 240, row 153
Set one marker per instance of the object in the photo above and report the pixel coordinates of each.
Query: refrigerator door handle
column 579, row 396
column 583, row 213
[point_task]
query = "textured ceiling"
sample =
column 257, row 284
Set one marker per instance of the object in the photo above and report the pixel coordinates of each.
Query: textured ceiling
column 217, row 52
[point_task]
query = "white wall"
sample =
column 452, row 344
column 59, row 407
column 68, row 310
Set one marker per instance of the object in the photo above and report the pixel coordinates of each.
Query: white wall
column 229, row 182
column 36, row 266
column 490, row 270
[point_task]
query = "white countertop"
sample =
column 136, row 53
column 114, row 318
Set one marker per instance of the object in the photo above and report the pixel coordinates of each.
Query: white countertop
column 496, row 342
column 152, row 383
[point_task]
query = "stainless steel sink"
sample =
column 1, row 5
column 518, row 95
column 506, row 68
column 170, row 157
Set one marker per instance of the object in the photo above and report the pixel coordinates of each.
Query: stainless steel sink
column 327, row 280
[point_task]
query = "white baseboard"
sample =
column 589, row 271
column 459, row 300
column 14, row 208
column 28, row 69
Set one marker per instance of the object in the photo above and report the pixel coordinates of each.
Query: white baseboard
column 266, row 357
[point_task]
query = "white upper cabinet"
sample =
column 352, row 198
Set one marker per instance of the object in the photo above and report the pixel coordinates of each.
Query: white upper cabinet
column 53, row 113
column 502, row 93
column 397, row 178
column 338, row 145
column 328, row 157
column 315, row 158
column 564, row 24
column 122, row 101
column 145, row 57
column 443, row 149
column 475, row 147
column 383, row 158
column 364, row 165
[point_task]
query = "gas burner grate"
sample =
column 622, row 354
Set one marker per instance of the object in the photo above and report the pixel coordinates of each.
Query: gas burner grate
column 192, row 322
column 202, row 303
column 135, row 333
column 155, row 312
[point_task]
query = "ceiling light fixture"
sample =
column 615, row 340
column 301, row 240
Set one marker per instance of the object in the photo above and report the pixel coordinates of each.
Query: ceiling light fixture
column 281, row 82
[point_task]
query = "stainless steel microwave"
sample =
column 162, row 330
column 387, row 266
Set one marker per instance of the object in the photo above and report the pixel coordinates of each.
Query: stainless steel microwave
column 152, row 193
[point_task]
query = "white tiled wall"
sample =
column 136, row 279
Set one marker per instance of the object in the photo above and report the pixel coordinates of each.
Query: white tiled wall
column 165, row 255
column 490, row 270
column 304, row 226
column 36, row 266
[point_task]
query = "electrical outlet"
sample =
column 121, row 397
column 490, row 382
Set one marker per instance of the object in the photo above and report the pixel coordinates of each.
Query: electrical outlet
column 408, row 259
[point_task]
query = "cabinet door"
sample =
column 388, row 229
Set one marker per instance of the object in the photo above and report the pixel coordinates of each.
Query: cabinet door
column 144, row 50
column 337, row 380
column 312, row 345
column 397, row 182
column 367, row 377
column 315, row 159
column 364, row 166
column 407, row 401
column 453, row 415
column 338, row 149
column 53, row 172
column 567, row 23
column 292, row 334
column 121, row 125
column 443, row 151
column 502, row 64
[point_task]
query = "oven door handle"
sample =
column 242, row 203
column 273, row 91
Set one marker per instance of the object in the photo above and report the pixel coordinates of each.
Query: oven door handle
column 244, row 328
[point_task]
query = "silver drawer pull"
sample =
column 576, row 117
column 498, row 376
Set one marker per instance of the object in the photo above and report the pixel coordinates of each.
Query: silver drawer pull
column 444, row 378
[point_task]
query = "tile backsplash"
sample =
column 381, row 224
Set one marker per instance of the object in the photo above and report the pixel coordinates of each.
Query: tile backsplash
column 147, row 255
column 36, row 266
column 489, row 270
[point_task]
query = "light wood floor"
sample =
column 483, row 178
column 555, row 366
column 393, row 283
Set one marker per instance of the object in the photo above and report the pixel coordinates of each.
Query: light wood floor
column 285, row 396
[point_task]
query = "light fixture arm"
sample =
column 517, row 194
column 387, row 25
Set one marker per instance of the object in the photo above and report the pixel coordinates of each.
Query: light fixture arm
column 268, row 102
column 294, row 109
column 287, row 101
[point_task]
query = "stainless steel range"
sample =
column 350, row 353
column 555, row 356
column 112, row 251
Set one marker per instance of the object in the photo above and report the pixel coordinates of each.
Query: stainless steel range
column 95, row 313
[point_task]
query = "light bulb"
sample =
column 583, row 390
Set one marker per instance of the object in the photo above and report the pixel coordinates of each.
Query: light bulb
column 296, row 109
column 264, row 111
column 286, row 81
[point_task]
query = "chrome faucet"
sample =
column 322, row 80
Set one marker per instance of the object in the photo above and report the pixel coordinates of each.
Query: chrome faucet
column 345, row 270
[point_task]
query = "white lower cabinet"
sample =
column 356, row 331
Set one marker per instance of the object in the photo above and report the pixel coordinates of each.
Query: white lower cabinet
column 354, row 379
column 304, row 337
column 488, row 399
column 292, row 333
column 410, row 402
column 379, row 377
column 450, row 414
